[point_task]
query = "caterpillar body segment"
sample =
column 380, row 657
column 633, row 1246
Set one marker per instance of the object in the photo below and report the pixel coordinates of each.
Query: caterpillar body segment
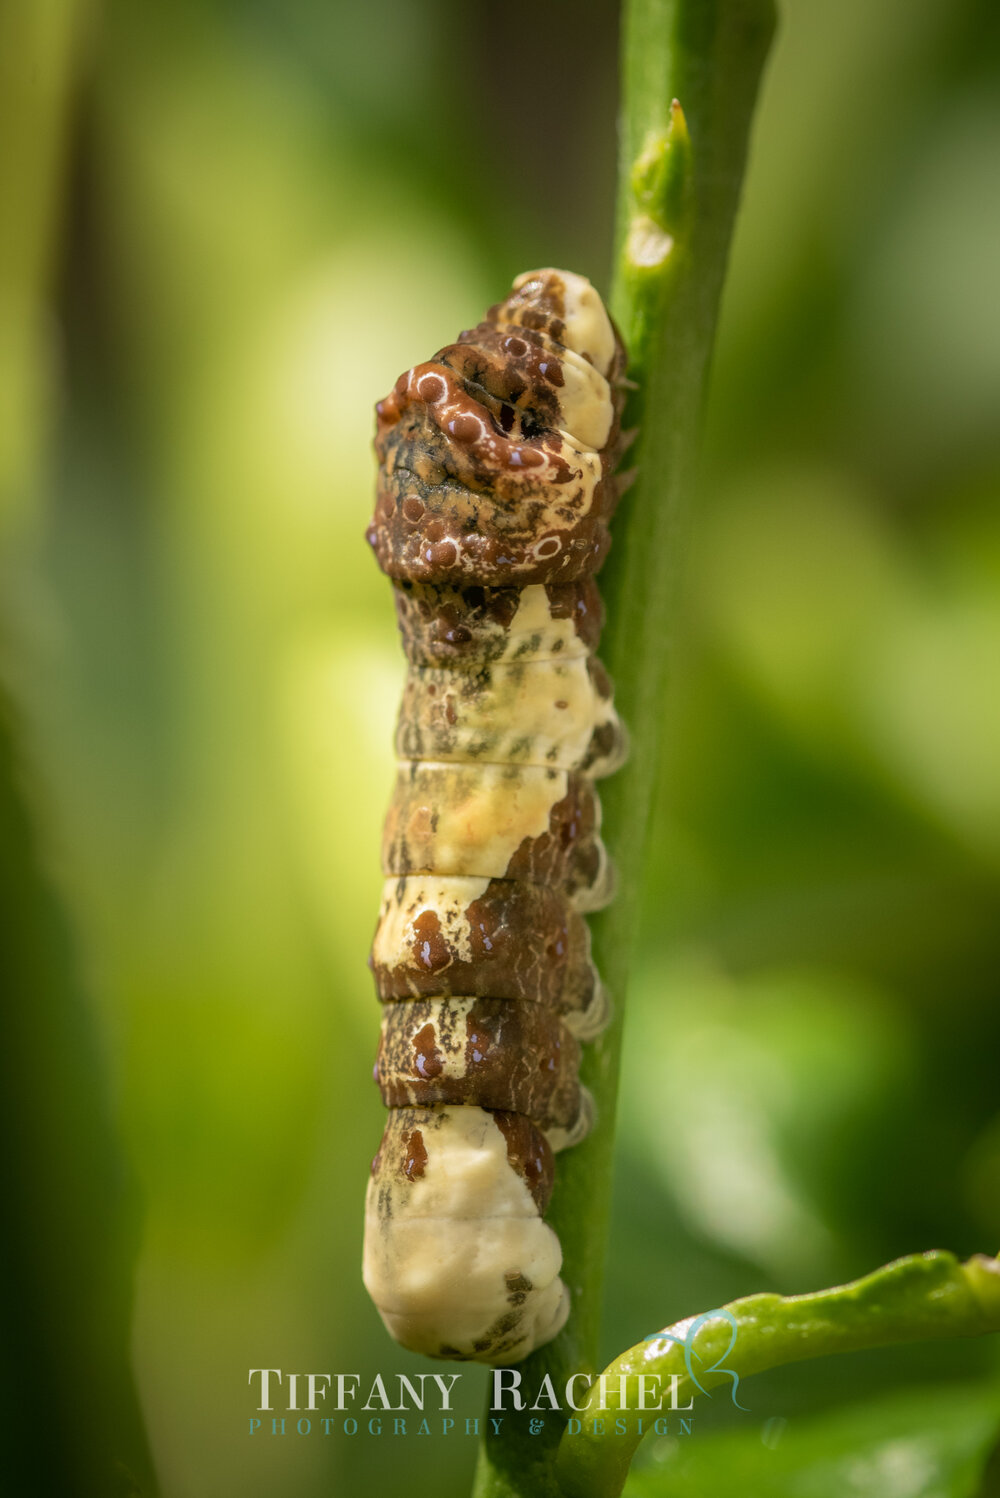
column 496, row 486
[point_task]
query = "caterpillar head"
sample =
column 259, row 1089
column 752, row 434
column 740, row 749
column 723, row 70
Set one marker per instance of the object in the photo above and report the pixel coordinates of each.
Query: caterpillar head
column 496, row 456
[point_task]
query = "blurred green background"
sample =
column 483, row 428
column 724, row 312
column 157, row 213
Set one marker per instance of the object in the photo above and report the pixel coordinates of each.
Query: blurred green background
column 226, row 227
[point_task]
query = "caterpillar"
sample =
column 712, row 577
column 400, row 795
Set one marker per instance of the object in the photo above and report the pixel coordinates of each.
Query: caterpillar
column 495, row 488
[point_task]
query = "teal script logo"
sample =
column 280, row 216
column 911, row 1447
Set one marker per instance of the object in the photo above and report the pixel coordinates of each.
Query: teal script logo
column 687, row 1342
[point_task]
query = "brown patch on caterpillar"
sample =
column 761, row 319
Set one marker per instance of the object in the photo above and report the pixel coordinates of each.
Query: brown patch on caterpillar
column 606, row 748
column 427, row 1062
column 518, row 1058
column 518, row 1286
column 430, row 950
column 583, row 605
column 570, row 850
column 414, row 1156
column 600, row 678
column 496, row 1340
column 470, row 627
column 509, row 940
column 529, row 1153
column 497, row 821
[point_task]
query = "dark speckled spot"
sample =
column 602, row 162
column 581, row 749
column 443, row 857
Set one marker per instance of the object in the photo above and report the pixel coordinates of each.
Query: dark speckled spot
column 518, row 1287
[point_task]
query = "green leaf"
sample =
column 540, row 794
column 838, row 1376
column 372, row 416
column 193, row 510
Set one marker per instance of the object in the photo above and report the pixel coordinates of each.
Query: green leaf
column 925, row 1297
column 934, row 1443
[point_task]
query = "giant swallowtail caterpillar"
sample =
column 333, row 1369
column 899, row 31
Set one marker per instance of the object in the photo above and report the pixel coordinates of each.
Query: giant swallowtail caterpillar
column 495, row 489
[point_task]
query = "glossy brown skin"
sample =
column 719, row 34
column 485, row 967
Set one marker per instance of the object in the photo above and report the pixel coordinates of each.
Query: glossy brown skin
column 473, row 488
column 487, row 1052
column 521, row 941
column 496, row 485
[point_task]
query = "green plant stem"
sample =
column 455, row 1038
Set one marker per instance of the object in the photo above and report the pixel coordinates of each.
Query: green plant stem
column 920, row 1298
column 679, row 189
